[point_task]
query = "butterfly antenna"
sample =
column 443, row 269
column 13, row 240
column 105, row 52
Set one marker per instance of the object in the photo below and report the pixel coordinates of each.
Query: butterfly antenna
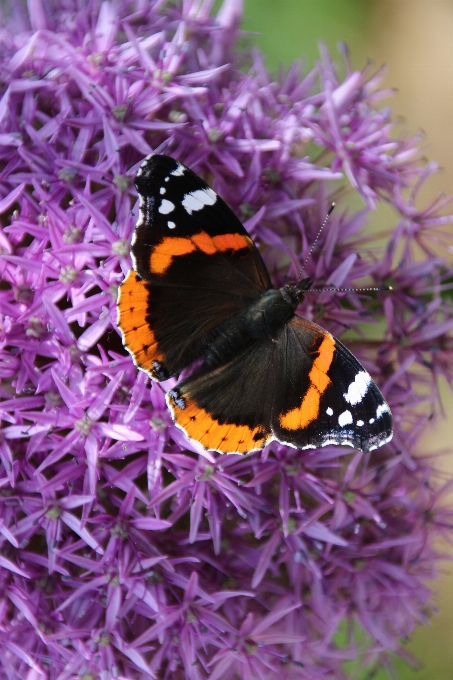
column 317, row 237
column 340, row 290
column 346, row 290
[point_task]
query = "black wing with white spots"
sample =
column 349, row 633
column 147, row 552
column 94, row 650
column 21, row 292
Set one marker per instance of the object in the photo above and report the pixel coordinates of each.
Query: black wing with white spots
column 353, row 408
column 180, row 215
column 195, row 268
column 335, row 402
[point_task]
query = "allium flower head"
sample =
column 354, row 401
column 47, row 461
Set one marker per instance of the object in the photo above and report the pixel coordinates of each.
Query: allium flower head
column 124, row 552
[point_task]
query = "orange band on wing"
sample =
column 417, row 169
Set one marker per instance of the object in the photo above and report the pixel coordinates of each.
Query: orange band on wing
column 138, row 337
column 199, row 425
column 232, row 242
column 174, row 246
column 303, row 415
column 204, row 242
column 170, row 247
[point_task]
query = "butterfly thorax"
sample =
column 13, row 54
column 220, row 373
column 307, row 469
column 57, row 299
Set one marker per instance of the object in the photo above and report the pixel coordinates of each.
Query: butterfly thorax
column 269, row 313
column 264, row 317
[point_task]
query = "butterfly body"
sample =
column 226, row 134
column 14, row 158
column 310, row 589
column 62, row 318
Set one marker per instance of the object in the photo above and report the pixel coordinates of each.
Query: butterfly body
column 262, row 318
column 200, row 290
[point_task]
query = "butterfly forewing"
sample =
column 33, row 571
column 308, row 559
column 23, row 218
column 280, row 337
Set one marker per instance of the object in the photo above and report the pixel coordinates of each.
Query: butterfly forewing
column 182, row 217
column 195, row 268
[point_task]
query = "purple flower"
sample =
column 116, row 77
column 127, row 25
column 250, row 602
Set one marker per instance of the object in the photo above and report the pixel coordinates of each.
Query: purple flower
column 125, row 551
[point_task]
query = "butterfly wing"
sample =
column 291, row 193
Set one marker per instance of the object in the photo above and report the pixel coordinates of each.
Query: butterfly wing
column 228, row 409
column 335, row 402
column 195, row 267
column 303, row 388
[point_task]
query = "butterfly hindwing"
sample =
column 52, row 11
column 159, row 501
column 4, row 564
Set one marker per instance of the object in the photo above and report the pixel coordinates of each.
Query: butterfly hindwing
column 228, row 409
column 303, row 388
column 335, row 402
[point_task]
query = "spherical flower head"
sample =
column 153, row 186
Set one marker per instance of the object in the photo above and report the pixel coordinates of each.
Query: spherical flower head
column 126, row 551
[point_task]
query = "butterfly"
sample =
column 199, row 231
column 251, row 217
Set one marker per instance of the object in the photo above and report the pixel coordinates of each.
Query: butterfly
column 199, row 290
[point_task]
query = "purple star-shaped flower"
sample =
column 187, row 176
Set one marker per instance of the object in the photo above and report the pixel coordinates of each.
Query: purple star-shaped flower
column 124, row 553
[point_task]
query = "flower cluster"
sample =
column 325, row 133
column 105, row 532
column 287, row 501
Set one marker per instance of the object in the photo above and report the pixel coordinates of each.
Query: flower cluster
column 123, row 552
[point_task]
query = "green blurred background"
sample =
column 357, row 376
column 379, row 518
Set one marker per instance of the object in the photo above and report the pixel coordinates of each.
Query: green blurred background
column 415, row 39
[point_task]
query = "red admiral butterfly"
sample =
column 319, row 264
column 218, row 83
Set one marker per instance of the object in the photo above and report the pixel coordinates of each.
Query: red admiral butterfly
column 199, row 289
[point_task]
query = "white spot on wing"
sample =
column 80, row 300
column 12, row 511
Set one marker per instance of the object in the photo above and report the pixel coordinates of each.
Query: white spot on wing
column 371, row 421
column 190, row 203
column 141, row 218
column 360, row 423
column 144, row 164
column 382, row 408
column 345, row 418
column 163, row 190
column 198, row 199
column 166, row 207
column 380, row 443
column 358, row 388
column 179, row 171
column 171, row 225
column 329, row 411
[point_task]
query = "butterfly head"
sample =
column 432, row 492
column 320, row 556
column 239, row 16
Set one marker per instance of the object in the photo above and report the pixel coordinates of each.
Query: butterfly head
column 304, row 284
column 293, row 292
